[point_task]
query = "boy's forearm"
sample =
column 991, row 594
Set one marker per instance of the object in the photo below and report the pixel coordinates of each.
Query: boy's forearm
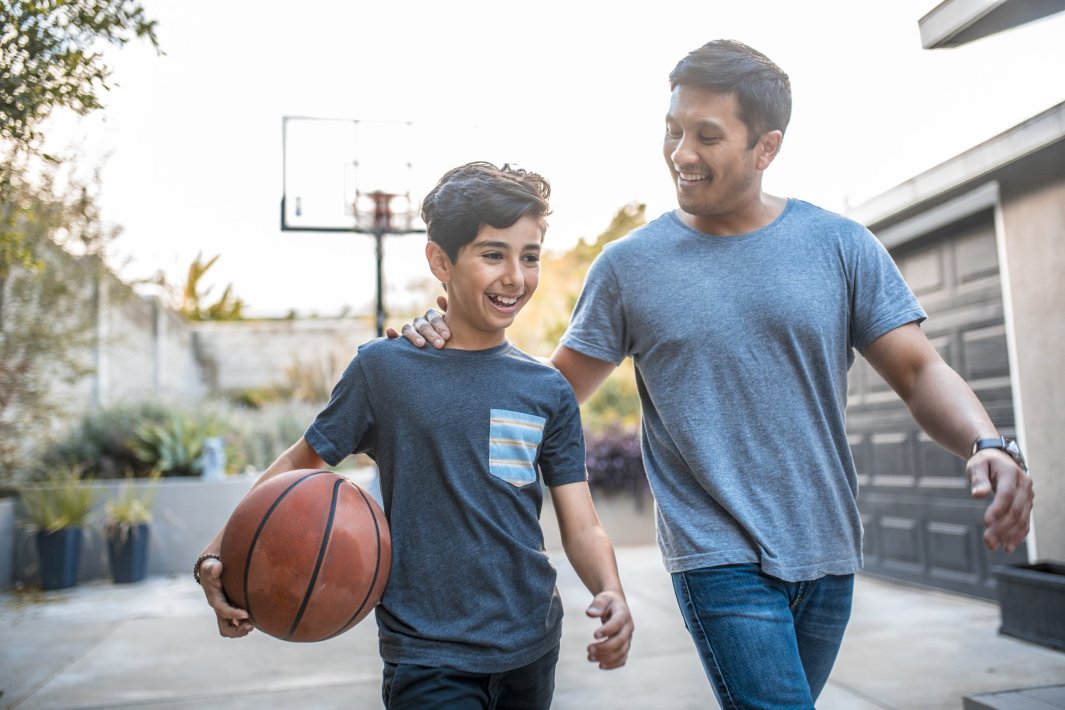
column 592, row 556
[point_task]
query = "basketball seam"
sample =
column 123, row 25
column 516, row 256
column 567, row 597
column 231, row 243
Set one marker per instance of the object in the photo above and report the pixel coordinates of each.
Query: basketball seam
column 258, row 533
column 326, row 533
column 377, row 565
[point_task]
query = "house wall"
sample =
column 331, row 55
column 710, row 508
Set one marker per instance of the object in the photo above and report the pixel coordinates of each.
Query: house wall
column 1033, row 222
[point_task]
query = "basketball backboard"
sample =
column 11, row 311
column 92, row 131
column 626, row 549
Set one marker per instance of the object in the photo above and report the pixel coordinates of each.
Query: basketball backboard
column 331, row 169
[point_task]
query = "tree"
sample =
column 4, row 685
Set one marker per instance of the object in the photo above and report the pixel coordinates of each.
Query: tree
column 50, row 59
column 193, row 297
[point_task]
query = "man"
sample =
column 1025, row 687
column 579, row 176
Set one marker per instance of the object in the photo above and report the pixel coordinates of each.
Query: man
column 743, row 405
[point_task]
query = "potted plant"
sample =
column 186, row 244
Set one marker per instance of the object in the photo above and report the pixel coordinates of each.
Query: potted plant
column 127, row 527
column 57, row 509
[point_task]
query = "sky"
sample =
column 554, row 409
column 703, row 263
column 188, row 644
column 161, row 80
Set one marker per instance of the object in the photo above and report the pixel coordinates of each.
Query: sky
column 189, row 143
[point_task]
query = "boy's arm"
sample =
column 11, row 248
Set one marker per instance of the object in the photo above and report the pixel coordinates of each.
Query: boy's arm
column 233, row 622
column 589, row 551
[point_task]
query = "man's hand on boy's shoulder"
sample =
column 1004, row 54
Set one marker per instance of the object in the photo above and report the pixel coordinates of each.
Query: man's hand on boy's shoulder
column 614, row 637
column 428, row 328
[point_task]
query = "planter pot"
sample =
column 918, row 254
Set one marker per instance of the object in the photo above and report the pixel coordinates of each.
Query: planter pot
column 59, row 555
column 1031, row 598
column 127, row 549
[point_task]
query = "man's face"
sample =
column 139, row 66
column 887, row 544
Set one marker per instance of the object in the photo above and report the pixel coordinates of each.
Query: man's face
column 706, row 148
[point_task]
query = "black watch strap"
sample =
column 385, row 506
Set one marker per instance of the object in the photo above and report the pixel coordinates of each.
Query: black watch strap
column 1000, row 442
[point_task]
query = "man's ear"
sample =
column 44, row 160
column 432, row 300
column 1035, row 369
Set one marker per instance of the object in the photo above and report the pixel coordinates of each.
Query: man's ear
column 439, row 262
column 768, row 148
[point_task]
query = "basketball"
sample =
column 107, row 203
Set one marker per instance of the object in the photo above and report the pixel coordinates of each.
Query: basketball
column 307, row 554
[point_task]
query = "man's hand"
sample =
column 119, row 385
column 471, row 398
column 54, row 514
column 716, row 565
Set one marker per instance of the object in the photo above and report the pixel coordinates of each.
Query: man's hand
column 430, row 327
column 614, row 637
column 1010, row 514
column 232, row 622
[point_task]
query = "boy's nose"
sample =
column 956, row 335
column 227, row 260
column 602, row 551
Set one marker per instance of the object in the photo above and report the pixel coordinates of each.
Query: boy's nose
column 511, row 274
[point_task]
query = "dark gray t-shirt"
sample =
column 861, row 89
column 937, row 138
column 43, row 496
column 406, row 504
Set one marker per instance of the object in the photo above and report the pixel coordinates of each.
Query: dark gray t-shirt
column 741, row 346
column 459, row 437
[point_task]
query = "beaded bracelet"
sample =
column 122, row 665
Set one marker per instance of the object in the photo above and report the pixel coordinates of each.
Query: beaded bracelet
column 199, row 561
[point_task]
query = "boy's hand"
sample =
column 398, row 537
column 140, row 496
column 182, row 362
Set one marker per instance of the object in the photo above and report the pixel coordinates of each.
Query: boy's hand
column 232, row 622
column 614, row 637
column 430, row 327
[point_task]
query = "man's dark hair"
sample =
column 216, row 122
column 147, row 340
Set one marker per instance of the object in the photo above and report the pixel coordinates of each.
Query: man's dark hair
column 762, row 89
column 473, row 195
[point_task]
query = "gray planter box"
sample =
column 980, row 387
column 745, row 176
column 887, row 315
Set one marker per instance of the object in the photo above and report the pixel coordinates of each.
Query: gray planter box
column 1032, row 601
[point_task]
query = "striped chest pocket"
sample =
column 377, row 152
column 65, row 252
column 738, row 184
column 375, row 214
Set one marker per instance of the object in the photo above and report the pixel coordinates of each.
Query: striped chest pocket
column 513, row 440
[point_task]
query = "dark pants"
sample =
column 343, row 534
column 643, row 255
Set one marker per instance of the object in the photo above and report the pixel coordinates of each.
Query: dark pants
column 410, row 687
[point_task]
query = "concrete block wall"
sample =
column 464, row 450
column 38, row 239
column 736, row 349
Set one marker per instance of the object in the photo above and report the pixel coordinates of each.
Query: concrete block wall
column 247, row 354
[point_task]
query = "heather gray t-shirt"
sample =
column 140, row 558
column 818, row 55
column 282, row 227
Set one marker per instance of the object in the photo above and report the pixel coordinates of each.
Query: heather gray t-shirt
column 741, row 346
column 462, row 439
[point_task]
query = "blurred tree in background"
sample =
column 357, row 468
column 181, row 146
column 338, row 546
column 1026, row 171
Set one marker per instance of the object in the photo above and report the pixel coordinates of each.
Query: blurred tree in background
column 50, row 59
column 194, row 297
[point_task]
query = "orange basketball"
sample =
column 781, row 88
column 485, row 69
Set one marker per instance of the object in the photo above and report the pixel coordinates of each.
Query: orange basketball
column 306, row 554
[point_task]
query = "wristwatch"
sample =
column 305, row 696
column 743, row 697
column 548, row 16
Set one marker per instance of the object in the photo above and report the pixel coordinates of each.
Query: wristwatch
column 1000, row 442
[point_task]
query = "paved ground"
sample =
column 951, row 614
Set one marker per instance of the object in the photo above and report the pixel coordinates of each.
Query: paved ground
column 154, row 645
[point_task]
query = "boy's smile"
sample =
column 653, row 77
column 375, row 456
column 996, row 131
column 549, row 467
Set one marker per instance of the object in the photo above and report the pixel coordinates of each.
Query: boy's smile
column 493, row 278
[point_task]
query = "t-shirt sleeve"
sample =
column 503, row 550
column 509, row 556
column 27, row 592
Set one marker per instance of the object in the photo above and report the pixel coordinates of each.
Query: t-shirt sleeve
column 346, row 425
column 561, row 458
column 597, row 326
column 881, row 300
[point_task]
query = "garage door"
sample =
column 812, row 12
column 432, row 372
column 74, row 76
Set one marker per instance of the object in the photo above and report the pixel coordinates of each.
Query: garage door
column 921, row 525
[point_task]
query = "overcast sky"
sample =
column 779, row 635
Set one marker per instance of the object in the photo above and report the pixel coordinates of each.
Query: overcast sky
column 191, row 140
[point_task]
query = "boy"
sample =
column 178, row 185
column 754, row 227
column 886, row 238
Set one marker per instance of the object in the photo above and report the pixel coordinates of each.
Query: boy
column 471, row 616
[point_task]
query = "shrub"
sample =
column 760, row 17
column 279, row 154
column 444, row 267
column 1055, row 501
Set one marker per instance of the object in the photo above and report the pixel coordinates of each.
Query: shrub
column 62, row 500
column 614, row 462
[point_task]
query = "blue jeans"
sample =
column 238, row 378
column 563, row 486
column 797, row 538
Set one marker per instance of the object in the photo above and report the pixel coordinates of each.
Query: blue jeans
column 411, row 687
column 764, row 642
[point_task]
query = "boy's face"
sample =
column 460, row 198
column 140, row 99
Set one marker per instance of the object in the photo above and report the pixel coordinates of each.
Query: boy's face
column 493, row 278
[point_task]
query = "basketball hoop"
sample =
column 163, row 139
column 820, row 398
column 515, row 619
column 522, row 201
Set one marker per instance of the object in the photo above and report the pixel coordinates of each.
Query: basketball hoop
column 346, row 175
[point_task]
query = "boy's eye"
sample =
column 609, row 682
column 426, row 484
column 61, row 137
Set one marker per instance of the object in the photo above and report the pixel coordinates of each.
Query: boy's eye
column 531, row 258
column 495, row 255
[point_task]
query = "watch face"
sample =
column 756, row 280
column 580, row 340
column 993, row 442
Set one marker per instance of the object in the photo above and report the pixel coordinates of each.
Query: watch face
column 1014, row 450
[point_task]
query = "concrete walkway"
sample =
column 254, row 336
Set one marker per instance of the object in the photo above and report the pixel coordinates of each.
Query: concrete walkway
column 154, row 645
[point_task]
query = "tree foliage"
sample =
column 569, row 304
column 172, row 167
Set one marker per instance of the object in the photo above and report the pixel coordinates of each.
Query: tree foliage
column 50, row 58
column 51, row 234
column 194, row 295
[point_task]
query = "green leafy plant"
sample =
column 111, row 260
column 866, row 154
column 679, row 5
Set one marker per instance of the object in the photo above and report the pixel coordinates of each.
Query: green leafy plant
column 131, row 506
column 62, row 500
column 173, row 447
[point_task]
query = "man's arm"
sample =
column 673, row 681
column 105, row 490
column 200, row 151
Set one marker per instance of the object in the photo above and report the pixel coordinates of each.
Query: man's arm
column 584, row 373
column 233, row 622
column 944, row 406
column 589, row 551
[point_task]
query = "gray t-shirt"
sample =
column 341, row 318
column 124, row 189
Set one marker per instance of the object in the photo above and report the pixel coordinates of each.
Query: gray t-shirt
column 459, row 437
column 741, row 346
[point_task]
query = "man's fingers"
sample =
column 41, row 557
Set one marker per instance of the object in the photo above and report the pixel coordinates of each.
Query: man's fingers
column 412, row 335
column 433, row 328
column 441, row 301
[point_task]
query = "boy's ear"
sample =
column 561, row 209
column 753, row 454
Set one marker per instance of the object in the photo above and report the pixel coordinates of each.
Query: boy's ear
column 439, row 262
